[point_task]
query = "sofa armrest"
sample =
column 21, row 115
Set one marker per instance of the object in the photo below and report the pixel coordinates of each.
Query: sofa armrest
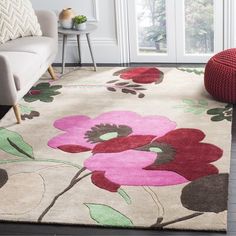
column 48, row 23
column 8, row 92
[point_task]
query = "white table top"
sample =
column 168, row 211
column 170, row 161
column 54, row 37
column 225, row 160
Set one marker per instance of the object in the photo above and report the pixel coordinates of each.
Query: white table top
column 89, row 29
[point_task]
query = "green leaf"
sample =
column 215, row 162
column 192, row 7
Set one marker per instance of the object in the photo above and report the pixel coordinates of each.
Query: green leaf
column 30, row 99
column 108, row 216
column 203, row 102
column 180, row 106
column 190, row 110
column 46, row 99
column 124, row 195
column 25, row 109
column 189, row 101
column 197, row 71
column 55, row 87
column 218, row 118
column 41, row 86
column 13, row 143
column 216, row 111
column 199, row 111
column 229, row 106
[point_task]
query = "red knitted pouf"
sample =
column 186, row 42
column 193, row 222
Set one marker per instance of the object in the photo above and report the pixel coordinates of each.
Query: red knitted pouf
column 220, row 76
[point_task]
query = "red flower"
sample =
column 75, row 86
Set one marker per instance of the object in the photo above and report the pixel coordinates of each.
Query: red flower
column 175, row 158
column 141, row 75
column 191, row 158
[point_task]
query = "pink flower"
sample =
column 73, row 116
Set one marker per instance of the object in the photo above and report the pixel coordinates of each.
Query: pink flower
column 110, row 132
column 110, row 171
column 132, row 150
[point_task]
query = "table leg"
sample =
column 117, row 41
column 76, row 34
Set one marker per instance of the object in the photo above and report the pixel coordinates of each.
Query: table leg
column 91, row 51
column 64, row 52
column 79, row 50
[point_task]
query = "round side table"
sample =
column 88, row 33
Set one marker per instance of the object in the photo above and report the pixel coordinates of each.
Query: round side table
column 78, row 33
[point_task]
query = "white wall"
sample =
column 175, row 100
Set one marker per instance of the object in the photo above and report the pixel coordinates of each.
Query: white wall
column 111, row 41
column 99, row 12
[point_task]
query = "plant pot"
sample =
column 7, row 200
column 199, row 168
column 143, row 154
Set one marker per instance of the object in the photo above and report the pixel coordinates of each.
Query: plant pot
column 66, row 18
column 81, row 26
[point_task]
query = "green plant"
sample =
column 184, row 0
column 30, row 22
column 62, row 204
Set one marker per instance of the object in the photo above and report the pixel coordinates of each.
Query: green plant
column 80, row 19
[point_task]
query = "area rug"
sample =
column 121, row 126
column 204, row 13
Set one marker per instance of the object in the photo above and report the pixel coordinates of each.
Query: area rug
column 122, row 147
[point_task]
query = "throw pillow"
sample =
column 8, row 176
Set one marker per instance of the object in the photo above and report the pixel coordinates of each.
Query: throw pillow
column 17, row 19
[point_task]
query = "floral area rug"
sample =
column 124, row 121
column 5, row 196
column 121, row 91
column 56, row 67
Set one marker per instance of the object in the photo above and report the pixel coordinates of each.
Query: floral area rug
column 131, row 147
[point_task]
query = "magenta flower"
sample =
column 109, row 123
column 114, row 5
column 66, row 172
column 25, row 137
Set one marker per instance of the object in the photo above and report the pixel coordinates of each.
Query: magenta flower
column 110, row 171
column 110, row 132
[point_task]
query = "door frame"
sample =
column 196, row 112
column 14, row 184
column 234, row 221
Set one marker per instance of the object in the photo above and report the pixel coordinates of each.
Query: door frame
column 123, row 34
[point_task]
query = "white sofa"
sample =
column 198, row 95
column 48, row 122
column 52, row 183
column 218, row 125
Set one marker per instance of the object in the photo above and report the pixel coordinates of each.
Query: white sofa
column 24, row 60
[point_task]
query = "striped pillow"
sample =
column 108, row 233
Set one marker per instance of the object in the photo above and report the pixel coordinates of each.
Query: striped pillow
column 17, row 19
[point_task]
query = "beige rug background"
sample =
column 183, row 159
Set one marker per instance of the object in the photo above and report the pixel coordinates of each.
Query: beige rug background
column 33, row 184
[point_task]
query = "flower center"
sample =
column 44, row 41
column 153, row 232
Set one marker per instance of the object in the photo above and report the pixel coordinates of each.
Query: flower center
column 165, row 152
column 104, row 132
column 155, row 149
column 109, row 136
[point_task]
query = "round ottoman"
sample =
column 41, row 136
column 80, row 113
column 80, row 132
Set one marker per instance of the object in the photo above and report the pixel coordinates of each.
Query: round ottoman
column 220, row 76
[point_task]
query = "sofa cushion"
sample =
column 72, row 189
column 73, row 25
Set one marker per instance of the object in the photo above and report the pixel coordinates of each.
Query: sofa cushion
column 43, row 46
column 23, row 65
column 17, row 19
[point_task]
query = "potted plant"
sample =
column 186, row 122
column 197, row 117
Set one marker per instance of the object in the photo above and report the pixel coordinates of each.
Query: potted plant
column 80, row 22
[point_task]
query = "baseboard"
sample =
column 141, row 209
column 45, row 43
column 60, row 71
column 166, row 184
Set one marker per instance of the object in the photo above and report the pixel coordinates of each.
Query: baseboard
column 132, row 64
column 90, row 64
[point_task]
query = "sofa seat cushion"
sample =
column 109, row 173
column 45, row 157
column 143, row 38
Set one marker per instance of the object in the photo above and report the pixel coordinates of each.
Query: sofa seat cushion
column 24, row 66
column 43, row 46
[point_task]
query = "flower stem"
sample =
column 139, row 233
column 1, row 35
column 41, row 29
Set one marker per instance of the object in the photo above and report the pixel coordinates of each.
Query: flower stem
column 157, row 202
column 40, row 160
column 73, row 182
column 159, row 225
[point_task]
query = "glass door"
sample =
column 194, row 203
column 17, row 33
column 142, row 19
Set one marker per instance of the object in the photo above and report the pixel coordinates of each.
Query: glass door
column 150, row 30
column 173, row 31
column 200, row 29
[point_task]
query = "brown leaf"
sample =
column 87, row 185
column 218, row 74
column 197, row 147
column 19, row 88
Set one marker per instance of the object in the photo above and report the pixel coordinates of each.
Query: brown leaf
column 111, row 89
column 134, row 85
column 140, row 89
column 141, row 95
column 122, row 84
column 112, row 81
column 3, row 177
column 206, row 194
column 129, row 91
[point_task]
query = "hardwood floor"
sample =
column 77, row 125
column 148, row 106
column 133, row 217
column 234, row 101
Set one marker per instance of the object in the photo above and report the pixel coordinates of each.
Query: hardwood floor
column 34, row 229
column 3, row 110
